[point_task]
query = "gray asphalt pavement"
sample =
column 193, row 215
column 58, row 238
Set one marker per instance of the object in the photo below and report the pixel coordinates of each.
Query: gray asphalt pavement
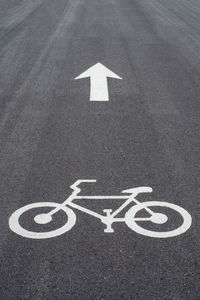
column 147, row 134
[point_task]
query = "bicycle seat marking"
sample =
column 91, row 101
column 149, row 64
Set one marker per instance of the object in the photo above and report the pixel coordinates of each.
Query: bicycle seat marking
column 134, row 222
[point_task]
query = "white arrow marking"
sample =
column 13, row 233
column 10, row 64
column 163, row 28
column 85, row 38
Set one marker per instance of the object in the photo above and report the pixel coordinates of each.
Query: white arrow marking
column 98, row 81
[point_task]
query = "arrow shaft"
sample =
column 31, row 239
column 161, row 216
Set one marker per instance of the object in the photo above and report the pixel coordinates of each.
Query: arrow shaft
column 99, row 88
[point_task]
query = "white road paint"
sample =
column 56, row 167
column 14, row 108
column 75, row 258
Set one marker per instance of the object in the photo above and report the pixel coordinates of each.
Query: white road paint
column 98, row 81
column 108, row 218
column 157, row 218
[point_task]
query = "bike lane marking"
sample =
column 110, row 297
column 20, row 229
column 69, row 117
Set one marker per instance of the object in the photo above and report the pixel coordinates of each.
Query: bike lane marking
column 108, row 219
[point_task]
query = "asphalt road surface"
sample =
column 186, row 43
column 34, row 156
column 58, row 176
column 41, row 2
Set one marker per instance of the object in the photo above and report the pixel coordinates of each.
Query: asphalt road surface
column 147, row 134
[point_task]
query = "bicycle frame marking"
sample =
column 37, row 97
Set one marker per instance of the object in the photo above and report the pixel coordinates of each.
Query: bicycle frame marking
column 107, row 219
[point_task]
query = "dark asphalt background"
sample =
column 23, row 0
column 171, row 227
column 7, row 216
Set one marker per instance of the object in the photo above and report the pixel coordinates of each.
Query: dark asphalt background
column 147, row 134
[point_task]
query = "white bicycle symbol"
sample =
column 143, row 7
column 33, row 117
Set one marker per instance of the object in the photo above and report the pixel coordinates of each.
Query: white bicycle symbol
column 132, row 221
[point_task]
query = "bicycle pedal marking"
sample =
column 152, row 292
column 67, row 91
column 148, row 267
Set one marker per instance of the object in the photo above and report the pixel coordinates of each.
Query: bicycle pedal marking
column 108, row 217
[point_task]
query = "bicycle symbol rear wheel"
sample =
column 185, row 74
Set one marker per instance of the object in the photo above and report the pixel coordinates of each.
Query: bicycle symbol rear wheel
column 41, row 219
column 132, row 221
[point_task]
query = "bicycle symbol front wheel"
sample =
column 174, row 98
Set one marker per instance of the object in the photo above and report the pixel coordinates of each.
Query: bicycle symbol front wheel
column 135, row 223
column 41, row 219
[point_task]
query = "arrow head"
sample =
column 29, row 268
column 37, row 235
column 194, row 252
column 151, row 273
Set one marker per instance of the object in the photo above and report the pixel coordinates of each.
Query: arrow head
column 98, row 70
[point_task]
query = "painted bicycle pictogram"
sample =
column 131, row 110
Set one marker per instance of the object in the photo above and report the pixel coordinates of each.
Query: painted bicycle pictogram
column 109, row 217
